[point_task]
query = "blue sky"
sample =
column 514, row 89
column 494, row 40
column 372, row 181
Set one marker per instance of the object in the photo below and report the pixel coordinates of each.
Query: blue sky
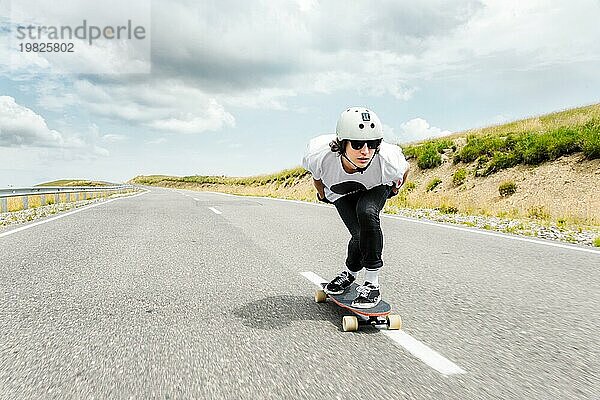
column 238, row 88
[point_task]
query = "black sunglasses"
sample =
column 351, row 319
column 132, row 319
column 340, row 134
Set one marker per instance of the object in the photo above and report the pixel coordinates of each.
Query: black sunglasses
column 359, row 144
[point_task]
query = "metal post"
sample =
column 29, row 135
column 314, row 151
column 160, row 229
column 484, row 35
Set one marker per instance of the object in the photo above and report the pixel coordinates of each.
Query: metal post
column 25, row 202
column 3, row 205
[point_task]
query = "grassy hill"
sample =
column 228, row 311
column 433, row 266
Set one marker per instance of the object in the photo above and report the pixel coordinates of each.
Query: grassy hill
column 545, row 168
column 74, row 182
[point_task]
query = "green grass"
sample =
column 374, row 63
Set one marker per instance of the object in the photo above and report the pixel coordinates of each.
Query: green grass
column 596, row 242
column 494, row 153
column 433, row 184
column 507, row 188
column 459, row 177
column 530, row 141
column 428, row 154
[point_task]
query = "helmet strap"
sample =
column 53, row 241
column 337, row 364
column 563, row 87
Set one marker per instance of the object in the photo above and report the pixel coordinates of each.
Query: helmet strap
column 361, row 169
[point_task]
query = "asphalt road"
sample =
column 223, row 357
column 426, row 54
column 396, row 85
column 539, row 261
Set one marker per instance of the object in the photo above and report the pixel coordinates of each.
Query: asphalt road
column 176, row 294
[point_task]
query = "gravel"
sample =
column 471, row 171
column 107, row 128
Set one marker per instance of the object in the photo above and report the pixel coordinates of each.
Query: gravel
column 582, row 236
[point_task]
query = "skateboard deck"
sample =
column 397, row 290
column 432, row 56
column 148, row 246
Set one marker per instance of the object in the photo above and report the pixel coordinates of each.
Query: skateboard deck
column 376, row 316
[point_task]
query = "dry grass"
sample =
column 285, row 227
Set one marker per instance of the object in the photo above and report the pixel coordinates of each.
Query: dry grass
column 34, row 201
column 573, row 117
column 14, row 204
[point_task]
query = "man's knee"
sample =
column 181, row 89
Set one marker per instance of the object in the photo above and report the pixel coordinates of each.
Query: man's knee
column 368, row 216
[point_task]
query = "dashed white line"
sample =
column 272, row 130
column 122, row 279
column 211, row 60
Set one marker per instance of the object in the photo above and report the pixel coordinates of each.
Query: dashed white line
column 430, row 357
column 215, row 210
column 314, row 278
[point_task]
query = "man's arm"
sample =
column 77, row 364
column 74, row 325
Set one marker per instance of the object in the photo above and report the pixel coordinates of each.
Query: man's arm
column 320, row 188
column 394, row 188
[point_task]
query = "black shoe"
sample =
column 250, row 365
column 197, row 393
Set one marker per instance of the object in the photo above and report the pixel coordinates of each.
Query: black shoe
column 368, row 296
column 339, row 283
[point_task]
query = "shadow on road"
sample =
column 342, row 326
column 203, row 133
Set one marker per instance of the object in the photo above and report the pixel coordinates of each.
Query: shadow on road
column 277, row 312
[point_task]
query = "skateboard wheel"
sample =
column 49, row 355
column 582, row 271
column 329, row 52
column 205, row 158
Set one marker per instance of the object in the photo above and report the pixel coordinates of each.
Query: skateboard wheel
column 350, row 323
column 394, row 322
column 320, row 296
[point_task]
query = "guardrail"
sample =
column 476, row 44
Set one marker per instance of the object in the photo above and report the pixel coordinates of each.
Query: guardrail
column 54, row 194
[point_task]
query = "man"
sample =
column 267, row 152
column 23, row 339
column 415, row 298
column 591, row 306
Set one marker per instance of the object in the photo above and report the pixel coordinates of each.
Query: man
column 357, row 172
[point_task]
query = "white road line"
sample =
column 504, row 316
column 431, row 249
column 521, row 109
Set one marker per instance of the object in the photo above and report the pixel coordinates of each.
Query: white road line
column 66, row 214
column 481, row 232
column 314, row 278
column 196, row 199
column 430, row 357
column 215, row 210
column 444, row 225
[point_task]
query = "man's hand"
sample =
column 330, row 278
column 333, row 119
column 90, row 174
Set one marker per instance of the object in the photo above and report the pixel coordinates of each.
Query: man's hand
column 320, row 190
column 323, row 199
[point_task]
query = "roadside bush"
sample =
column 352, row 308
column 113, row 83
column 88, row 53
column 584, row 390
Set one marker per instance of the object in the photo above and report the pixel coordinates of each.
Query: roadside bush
column 500, row 161
column 459, row 177
column 562, row 141
column 409, row 186
column 531, row 148
column 447, row 209
column 591, row 140
column 478, row 146
column 507, row 188
column 428, row 154
column 433, row 184
column 597, row 242
column 538, row 212
column 429, row 157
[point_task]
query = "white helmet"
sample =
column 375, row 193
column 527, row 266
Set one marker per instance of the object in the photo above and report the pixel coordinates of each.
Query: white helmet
column 358, row 123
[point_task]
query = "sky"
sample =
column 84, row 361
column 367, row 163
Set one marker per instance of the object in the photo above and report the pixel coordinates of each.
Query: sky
column 238, row 88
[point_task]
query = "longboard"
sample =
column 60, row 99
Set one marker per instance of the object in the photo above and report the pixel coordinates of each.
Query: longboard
column 378, row 316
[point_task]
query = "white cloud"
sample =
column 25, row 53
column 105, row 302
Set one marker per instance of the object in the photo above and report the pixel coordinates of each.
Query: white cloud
column 263, row 98
column 20, row 126
column 113, row 138
column 517, row 36
column 290, row 49
column 157, row 141
column 23, row 128
column 112, row 56
column 163, row 105
column 417, row 129
column 265, row 53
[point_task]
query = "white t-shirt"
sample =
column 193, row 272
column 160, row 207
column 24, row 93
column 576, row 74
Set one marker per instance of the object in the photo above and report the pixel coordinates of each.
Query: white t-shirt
column 387, row 168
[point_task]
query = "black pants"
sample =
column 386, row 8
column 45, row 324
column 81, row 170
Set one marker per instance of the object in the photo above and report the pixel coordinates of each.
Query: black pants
column 360, row 213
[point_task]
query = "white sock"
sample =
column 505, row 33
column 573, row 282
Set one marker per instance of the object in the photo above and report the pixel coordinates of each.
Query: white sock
column 372, row 275
column 353, row 273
